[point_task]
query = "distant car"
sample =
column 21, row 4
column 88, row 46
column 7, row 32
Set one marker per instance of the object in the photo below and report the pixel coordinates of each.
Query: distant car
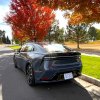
column 47, row 62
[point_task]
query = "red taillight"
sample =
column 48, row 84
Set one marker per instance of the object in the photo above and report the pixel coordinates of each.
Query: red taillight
column 44, row 79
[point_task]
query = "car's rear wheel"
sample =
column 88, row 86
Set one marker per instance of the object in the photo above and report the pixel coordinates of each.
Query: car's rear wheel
column 30, row 76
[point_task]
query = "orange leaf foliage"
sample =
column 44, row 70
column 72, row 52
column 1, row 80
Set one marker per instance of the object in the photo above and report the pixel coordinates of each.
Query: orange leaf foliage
column 88, row 10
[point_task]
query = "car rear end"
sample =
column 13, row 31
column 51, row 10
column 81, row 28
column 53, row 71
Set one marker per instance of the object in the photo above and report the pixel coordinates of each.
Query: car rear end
column 61, row 66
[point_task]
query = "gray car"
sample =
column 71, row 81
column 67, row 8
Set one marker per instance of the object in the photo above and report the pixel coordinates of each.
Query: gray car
column 47, row 62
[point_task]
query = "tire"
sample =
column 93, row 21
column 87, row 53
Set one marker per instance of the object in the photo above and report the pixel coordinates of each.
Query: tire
column 30, row 76
column 15, row 64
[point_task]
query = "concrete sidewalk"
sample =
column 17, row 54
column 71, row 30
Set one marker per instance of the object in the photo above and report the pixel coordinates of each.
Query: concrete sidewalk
column 91, row 88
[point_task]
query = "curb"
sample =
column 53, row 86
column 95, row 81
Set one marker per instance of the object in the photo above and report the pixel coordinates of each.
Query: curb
column 92, row 55
column 90, row 79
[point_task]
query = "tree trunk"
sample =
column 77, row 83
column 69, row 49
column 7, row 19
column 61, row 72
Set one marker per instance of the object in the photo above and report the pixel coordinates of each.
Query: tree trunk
column 78, row 42
column 1, row 40
column 35, row 40
column 78, row 46
column 21, row 43
column 49, row 38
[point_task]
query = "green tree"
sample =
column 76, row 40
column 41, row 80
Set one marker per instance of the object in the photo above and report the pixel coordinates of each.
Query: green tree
column 78, row 33
column 2, row 33
column 4, row 39
column 58, row 35
column 55, row 33
column 92, row 33
column 16, row 41
column 8, row 40
column 98, row 34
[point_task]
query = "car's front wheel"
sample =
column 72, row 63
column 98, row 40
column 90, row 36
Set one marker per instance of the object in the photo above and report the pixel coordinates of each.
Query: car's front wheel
column 30, row 76
column 15, row 64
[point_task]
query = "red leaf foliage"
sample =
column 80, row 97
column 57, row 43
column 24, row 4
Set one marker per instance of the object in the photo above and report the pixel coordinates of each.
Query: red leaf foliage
column 29, row 20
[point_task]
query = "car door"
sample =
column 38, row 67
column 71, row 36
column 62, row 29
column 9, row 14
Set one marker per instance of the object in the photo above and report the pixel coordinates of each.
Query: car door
column 25, row 55
column 20, row 56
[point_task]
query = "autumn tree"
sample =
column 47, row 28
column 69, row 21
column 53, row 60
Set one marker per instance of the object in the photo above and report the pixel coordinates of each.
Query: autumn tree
column 82, row 10
column 20, row 35
column 29, row 20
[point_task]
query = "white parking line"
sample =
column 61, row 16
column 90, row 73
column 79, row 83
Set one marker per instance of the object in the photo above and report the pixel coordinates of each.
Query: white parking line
column 1, row 91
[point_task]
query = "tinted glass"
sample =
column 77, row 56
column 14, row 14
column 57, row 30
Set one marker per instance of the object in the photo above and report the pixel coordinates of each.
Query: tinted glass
column 39, row 48
column 55, row 48
column 30, row 48
column 27, row 48
column 23, row 48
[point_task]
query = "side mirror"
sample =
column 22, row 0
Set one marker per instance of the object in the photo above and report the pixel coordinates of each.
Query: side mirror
column 19, row 50
column 33, row 49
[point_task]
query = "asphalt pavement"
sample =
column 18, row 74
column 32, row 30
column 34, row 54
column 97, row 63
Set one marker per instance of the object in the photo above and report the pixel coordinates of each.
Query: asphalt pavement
column 13, row 85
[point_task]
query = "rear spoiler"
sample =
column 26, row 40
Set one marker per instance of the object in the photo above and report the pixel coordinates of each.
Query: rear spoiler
column 54, row 55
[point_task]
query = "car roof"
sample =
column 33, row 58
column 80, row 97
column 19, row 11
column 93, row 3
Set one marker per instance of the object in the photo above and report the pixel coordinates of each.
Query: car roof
column 39, row 43
column 49, row 47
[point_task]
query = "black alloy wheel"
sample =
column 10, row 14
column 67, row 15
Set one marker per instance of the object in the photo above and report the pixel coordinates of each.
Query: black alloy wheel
column 30, row 76
column 15, row 64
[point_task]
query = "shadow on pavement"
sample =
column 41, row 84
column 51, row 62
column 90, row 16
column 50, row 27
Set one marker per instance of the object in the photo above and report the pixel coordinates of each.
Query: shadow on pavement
column 94, row 96
column 15, row 87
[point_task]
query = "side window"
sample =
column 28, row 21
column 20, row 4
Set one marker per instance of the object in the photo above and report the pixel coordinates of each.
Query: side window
column 23, row 48
column 30, row 48
column 27, row 48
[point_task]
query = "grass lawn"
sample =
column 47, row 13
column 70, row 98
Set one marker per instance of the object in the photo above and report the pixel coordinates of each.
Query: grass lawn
column 91, row 66
column 14, row 47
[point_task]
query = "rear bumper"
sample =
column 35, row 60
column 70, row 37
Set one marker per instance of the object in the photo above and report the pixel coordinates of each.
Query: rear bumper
column 58, row 75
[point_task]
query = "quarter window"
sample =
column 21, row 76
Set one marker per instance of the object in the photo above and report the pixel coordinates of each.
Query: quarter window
column 30, row 48
column 23, row 49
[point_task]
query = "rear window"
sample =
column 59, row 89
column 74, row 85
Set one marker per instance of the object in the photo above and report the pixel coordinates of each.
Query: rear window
column 55, row 48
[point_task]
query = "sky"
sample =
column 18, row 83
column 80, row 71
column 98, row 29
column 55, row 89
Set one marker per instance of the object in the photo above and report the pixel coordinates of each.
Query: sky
column 4, row 10
column 62, row 20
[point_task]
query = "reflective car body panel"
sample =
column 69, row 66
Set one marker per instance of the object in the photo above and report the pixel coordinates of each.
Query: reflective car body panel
column 48, row 62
